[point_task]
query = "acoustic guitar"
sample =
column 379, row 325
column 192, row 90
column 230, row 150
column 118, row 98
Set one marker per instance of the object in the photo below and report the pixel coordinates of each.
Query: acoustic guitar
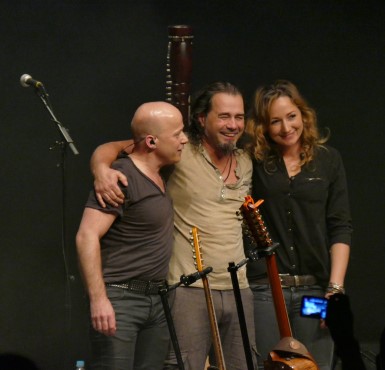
column 289, row 353
column 209, row 300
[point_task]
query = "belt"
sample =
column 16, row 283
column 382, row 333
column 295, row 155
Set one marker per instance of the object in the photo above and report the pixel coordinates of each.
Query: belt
column 146, row 287
column 288, row 281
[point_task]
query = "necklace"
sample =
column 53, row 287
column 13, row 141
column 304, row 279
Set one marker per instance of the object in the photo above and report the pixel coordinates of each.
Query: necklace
column 229, row 161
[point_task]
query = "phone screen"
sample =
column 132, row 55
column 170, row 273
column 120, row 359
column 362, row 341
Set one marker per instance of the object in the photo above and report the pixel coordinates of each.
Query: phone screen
column 314, row 307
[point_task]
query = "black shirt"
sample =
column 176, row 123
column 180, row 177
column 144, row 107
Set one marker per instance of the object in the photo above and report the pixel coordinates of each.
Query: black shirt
column 305, row 214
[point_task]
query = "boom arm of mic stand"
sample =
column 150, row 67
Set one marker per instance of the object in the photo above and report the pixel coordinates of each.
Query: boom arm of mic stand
column 62, row 129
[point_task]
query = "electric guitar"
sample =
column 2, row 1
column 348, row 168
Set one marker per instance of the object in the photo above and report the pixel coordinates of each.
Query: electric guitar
column 198, row 260
column 289, row 353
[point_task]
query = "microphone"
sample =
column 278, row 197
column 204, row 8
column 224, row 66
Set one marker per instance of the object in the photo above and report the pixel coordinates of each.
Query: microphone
column 192, row 278
column 26, row 81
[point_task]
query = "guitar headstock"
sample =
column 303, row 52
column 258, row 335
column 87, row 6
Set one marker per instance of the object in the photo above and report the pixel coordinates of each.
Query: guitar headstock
column 253, row 222
column 197, row 254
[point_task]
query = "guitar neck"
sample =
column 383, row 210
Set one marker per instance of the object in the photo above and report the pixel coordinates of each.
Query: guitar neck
column 209, row 301
column 213, row 325
column 278, row 297
column 259, row 233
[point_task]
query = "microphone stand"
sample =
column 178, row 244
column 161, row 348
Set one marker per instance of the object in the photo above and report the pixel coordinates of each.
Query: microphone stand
column 67, row 140
column 42, row 94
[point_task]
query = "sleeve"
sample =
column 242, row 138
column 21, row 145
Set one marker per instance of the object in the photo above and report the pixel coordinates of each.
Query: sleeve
column 338, row 218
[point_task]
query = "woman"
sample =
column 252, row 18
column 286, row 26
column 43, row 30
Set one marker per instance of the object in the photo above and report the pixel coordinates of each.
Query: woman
column 306, row 210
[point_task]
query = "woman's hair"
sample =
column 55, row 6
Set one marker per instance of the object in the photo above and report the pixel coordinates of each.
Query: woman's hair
column 265, row 149
column 202, row 104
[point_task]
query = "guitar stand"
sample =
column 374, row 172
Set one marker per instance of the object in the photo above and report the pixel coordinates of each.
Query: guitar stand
column 163, row 291
column 253, row 255
column 170, row 323
column 258, row 253
column 233, row 268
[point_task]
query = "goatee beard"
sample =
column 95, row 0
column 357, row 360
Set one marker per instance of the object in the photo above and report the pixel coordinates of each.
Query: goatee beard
column 226, row 148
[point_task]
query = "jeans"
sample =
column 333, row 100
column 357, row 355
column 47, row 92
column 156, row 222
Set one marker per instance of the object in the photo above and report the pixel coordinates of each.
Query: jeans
column 142, row 336
column 306, row 330
column 191, row 321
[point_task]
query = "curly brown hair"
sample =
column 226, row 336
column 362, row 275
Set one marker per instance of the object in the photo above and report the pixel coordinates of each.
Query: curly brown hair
column 264, row 148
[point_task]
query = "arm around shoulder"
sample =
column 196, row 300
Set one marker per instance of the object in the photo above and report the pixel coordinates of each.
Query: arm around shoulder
column 106, row 153
column 106, row 179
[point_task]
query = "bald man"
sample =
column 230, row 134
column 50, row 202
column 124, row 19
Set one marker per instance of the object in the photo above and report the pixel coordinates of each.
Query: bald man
column 124, row 252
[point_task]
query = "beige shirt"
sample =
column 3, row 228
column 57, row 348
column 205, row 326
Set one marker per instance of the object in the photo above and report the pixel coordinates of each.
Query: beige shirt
column 203, row 200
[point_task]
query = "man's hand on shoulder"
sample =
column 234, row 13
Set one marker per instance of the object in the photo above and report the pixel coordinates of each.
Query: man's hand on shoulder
column 106, row 187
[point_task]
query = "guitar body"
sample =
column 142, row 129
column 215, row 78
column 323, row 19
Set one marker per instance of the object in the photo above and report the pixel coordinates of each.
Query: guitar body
column 289, row 353
column 288, row 361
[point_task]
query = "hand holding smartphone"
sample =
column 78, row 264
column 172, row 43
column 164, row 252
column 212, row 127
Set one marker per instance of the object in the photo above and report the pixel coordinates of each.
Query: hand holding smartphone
column 314, row 307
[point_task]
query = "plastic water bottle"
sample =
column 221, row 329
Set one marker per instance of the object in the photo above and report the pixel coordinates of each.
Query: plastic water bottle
column 80, row 365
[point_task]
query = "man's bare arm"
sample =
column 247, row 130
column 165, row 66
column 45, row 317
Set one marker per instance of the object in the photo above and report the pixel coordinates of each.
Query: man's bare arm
column 106, row 179
column 93, row 226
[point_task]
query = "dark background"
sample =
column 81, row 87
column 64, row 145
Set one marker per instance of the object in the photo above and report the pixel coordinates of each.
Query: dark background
column 98, row 61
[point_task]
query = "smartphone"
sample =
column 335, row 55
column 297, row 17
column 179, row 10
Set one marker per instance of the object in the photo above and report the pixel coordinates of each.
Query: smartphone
column 314, row 307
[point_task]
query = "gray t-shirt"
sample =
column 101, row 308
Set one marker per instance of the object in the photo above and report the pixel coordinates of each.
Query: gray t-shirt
column 138, row 244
